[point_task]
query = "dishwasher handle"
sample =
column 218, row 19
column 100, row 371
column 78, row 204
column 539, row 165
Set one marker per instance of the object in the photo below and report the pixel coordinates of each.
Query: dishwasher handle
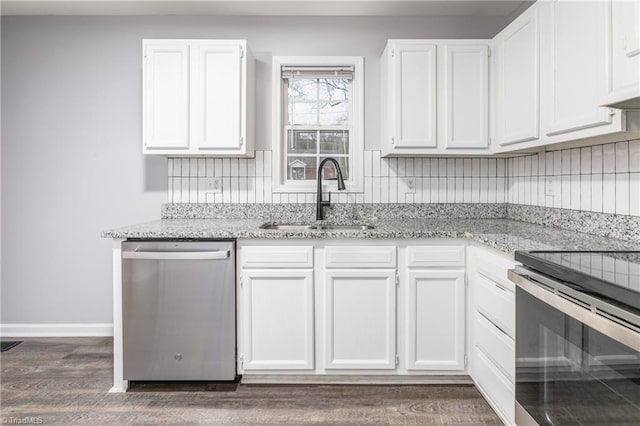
column 176, row 255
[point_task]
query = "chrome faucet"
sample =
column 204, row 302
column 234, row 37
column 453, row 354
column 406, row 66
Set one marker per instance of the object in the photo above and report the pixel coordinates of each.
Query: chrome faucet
column 320, row 203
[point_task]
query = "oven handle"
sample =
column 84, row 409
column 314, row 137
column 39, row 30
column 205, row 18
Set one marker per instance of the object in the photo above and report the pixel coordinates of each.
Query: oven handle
column 606, row 326
column 176, row 255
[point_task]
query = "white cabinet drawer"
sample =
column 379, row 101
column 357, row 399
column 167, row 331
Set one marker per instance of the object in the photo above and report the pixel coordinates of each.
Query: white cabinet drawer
column 496, row 303
column 494, row 267
column 434, row 256
column 277, row 257
column 496, row 345
column 361, row 257
column 496, row 387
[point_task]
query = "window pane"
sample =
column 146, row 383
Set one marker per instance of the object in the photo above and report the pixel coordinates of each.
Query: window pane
column 329, row 171
column 303, row 114
column 303, row 89
column 301, row 168
column 334, row 113
column 301, row 142
column 335, row 89
column 334, row 142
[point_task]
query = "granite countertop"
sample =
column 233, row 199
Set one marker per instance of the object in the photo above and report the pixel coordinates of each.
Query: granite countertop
column 503, row 234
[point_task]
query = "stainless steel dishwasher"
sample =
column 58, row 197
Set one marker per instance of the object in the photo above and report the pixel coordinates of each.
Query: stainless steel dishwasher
column 179, row 314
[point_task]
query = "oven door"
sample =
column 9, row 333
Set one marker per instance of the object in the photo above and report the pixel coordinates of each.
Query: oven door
column 569, row 369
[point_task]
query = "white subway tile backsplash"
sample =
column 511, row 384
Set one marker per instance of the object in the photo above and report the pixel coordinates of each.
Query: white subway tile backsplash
column 585, row 161
column 585, row 192
column 565, row 160
column 622, row 157
column 376, row 163
column 267, row 163
column 217, row 167
column 575, row 161
column 609, row 158
column 375, row 198
column 608, row 193
column 557, row 163
column 268, row 193
column 596, row 192
column 622, row 193
column 451, row 189
column 549, row 163
column 409, row 166
column 581, row 185
column 384, row 166
column 384, row 189
column 393, row 189
column 576, row 191
column 634, row 194
column 634, row 156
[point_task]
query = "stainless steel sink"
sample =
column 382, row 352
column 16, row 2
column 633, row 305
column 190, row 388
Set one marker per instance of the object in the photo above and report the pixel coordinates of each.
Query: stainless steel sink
column 345, row 227
column 288, row 227
column 325, row 227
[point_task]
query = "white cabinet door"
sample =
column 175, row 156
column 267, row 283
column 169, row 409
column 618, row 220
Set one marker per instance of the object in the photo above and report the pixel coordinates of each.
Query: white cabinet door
column 196, row 98
column 165, row 96
column 216, row 91
column 360, row 319
column 623, row 52
column 516, row 75
column 435, row 326
column 278, row 319
column 574, row 65
column 465, row 85
column 414, row 95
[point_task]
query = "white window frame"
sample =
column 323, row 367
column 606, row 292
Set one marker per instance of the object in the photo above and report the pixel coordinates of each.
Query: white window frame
column 356, row 134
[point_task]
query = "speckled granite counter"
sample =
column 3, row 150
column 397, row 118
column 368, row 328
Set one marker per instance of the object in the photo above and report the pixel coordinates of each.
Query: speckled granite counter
column 503, row 234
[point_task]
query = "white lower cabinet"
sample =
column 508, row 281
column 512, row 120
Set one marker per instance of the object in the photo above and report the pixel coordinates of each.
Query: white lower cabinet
column 360, row 318
column 278, row 319
column 401, row 307
column 492, row 325
column 435, row 332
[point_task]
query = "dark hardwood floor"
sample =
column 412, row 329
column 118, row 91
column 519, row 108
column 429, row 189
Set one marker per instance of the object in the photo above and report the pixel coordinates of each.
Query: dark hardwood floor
column 65, row 381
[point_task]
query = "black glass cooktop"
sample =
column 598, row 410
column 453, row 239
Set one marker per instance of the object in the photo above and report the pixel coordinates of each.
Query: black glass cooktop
column 612, row 275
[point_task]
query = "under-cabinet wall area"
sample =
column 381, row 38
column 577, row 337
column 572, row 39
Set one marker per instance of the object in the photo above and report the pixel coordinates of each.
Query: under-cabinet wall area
column 386, row 180
column 600, row 178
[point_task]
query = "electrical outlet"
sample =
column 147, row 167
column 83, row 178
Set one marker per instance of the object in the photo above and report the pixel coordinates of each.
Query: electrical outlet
column 213, row 184
column 410, row 185
column 551, row 186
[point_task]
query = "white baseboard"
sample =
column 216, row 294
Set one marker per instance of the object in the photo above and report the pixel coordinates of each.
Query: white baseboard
column 460, row 379
column 55, row 330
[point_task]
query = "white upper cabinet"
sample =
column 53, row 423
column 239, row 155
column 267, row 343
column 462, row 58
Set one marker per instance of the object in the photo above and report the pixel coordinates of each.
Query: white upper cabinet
column 414, row 95
column 435, row 97
column 166, row 96
column 574, row 65
column 516, row 80
column 197, row 97
column 465, row 118
column 623, row 53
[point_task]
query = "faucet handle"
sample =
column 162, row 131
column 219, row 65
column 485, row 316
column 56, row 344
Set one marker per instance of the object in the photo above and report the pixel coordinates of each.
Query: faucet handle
column 326, row 202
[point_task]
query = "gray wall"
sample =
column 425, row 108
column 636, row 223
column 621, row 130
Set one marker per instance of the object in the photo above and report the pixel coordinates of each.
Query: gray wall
column 71, row 116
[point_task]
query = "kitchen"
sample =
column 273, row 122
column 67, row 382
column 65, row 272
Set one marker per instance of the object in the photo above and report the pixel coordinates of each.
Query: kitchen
column 72, row 109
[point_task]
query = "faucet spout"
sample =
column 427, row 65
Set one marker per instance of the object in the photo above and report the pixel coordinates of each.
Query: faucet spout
column 320, row 203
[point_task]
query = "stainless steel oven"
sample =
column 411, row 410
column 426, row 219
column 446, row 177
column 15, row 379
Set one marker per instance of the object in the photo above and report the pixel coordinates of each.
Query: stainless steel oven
column 577, row 338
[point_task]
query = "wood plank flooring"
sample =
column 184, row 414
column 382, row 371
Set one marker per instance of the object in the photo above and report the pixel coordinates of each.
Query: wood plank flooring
column 66, row 381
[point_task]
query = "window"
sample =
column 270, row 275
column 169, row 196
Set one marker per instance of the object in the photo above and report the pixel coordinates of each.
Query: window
column 318, row 114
